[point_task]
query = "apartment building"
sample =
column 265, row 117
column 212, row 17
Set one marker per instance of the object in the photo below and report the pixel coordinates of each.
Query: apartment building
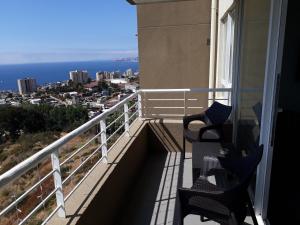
column 27, row 85
column 79, row 76
column 129, row 73
column 102, row 75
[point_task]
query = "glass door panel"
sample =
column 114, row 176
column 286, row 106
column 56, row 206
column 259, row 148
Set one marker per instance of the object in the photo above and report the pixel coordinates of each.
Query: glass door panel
column 254, row 30
column 253, row 49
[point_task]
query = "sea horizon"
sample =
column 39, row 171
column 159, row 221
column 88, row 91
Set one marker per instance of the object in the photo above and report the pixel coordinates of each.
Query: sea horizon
column 49, row 72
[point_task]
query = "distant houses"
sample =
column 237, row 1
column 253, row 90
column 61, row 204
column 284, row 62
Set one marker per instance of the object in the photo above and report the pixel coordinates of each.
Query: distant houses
column 98, row 95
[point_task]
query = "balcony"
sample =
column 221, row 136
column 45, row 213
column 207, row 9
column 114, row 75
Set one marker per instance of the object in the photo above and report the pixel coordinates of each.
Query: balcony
column 126, row 171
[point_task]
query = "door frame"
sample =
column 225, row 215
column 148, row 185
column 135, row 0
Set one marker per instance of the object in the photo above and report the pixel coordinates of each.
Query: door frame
column 235, row 97
column 276, row 34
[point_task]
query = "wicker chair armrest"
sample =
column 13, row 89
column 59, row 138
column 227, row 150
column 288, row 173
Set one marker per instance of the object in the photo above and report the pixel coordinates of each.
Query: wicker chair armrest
column 188, row 119
column 210, row 127
column 186, row 193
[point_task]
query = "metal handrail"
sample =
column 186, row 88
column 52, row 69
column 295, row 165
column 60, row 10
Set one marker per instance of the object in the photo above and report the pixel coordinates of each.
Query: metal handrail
column 33, row 160
column 191, row 90
column 53, row 149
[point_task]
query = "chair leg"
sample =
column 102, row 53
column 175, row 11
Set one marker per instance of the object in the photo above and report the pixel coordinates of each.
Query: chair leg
column 181, row 216
column 203, row 219
column 251, row 210
column 181, row 220
column 183, row 144
column 232, row 220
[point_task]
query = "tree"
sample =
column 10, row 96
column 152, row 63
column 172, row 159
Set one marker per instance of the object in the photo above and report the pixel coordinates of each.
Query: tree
column 11, row 120
column 34, row 121
column 40, row 118
column 103, row 85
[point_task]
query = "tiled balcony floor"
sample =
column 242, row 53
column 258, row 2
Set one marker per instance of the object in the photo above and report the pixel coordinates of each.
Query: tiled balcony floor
column 153, row 197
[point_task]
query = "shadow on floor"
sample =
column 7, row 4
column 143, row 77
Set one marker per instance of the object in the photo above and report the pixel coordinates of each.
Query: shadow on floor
column 153, row 196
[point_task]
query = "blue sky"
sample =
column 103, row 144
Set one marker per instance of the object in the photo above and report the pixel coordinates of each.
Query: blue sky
column 66, row 30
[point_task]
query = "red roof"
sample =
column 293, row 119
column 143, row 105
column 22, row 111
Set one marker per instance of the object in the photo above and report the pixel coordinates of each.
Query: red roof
column 91, row 85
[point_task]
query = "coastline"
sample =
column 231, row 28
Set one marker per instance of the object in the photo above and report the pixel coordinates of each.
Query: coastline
column 58, row 71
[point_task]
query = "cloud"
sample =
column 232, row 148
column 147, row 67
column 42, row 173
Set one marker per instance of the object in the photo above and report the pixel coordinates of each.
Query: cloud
column 64, row 55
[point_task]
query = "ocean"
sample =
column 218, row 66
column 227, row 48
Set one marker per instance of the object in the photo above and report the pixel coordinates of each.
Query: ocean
column 52, row 72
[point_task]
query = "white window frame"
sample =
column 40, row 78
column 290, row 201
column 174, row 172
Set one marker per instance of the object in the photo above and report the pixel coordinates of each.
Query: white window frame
column 227, row 35
column 273, row 69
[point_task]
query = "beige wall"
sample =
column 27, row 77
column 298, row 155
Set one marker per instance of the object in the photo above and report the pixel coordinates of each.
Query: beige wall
column 173, row 46
column 173, row 50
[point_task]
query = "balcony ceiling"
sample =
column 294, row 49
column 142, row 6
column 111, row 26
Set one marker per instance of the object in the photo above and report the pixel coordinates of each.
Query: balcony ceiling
column 139, row 2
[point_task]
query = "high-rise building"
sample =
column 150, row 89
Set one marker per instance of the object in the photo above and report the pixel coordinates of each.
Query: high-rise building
column 115, row 75
column 129, row 73
column 79, row 76
column 27, row 85
column 100, row 76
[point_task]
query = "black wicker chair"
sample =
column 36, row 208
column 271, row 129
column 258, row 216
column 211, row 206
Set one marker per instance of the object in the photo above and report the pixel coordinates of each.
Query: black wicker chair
column 213, row 118
column 227, row 200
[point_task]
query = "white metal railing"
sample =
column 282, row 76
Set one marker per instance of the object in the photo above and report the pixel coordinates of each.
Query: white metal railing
column 127, row 110
column 186, row 101
column 53, row 151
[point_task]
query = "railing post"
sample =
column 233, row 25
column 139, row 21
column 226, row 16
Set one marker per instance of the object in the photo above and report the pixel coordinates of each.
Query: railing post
column 58, row 184
column 229, row 102
column 126, row 117
column 184, row 102
column 103, row 139
column 140, row 105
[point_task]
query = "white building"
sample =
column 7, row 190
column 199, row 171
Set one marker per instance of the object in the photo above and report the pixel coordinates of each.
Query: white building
column 122, row 96
column 129, row 73
column 71, row 94
column 35, row 101
column 118, row 81
column 2, row 102
column 131, row 87
column 27, row 85
column 115, row 75
column 100, row 76
column 79, row 76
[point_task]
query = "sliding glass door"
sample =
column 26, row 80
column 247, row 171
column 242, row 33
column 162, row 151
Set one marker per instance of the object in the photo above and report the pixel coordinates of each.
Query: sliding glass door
column 251, row 74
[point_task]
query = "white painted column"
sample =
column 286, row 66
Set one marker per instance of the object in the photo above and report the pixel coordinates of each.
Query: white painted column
column 58, row 184
column 103, row 139
column 184, row 102
column 140, row 105
column 213, row 41
column 126, row 119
